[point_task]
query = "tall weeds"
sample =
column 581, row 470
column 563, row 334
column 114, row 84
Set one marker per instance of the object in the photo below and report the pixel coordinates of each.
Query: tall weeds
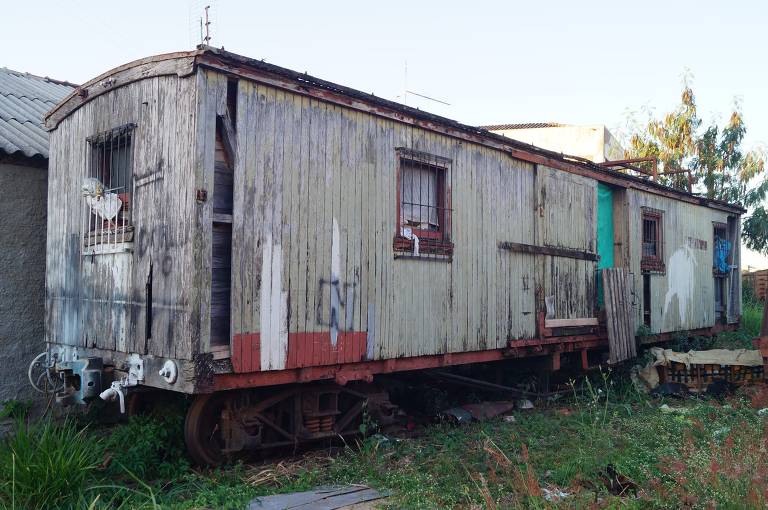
column 45, row 465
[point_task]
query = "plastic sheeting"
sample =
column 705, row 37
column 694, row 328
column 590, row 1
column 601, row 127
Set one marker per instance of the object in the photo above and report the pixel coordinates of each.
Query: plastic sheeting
column 604, row 234
column 739, row 357
column 722, row 249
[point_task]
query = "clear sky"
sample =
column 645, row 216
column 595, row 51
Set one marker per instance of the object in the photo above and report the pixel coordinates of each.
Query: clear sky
column 574, row 61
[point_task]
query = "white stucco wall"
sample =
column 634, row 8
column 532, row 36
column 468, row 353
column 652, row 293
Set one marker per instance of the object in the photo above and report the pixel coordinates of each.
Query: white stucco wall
column 595, row 143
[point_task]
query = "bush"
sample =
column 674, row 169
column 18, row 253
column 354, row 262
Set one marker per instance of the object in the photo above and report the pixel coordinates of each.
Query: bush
column 46, row 465
column 149, row 447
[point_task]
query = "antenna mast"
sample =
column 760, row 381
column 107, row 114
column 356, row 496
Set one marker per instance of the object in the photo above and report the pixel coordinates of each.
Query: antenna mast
column 207, row 39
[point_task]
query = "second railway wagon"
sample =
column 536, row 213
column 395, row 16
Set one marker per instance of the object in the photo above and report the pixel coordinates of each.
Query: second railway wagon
column 271, row 242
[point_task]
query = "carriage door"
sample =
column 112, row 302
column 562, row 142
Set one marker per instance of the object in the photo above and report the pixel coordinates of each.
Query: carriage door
column 221, row 247
column 221, row 228
column 566, row 241
column 721, row 248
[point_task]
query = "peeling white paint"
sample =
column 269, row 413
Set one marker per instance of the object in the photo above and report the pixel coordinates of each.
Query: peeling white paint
column 681, row 270
column 273, row 313
column 335, row 252
column 335, row 271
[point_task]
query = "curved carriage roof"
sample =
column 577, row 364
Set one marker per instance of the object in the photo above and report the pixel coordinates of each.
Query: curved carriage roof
column 185, row 64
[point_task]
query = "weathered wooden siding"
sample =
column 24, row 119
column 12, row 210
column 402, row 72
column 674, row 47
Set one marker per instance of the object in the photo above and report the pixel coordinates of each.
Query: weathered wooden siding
column 314, row 276
column 567, row 218
column 100, row 300
column 682, row 297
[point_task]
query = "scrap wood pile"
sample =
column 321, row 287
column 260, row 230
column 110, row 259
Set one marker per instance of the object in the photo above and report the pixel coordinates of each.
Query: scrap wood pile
column 715, row 371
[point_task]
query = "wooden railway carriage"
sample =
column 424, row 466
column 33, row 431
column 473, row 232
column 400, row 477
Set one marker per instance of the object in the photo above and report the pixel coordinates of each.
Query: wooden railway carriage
column 219, row 223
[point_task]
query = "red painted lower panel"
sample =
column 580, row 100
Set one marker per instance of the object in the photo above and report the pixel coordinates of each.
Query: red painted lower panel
column 313, row 349
column 304, row 350
column 246, row 352
column 350, row 351
column 365, row 370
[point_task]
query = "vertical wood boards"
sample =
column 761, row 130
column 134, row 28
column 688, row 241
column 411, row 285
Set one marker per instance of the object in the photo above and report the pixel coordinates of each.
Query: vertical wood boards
column 567, row 218
column 618, row 312
column 221, row 248
column 314, row 215
column 734, row 280
column 682, row 297
column 338, row 174
column 100, row 300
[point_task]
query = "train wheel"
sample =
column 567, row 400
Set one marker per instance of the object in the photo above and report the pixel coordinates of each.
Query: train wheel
column 202, row 432
column 225, row 425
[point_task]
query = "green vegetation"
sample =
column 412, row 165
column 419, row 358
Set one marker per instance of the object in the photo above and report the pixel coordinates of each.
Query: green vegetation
column 43, row 465
column 720, row 166
column 705, row 453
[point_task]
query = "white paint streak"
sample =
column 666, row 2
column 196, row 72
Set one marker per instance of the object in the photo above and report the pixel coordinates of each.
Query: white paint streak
column 335, row 256
column 335, row 271
column 680, row 281
column 273, row 314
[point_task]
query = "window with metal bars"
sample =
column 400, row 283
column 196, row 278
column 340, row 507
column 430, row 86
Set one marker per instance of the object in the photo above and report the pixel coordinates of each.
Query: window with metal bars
column 108, row 188
column 652, row 240
column 423, row 204
column 721, row 248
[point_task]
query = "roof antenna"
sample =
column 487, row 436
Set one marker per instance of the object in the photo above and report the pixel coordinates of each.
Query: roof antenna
column 207, row 39
column 405, row 84
column 406, row 91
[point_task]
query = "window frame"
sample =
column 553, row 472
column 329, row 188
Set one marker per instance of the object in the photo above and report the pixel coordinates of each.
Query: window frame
column 652, row 263
column 112, row 140
column 723, row 228
column 431, row 242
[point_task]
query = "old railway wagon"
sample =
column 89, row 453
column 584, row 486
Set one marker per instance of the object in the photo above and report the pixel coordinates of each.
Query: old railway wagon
column 271, row 242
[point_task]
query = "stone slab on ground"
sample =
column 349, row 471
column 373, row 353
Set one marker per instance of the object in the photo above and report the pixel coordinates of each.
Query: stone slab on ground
column 357, row 497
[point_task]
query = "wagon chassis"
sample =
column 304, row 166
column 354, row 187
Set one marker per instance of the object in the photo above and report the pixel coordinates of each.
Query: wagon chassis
column 224, row 425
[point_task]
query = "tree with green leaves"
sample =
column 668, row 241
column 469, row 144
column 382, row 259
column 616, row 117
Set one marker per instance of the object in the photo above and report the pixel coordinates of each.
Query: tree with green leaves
column 719, row 166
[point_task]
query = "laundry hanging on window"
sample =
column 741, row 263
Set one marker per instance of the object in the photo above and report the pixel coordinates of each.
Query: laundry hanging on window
column 419, row 196
column 722, row 249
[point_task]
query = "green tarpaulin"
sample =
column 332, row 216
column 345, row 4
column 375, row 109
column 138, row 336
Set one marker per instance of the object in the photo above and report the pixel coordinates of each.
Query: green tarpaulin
column 604, row 234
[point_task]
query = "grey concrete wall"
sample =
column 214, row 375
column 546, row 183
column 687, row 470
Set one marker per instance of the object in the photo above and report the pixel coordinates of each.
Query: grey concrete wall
column 23, row 196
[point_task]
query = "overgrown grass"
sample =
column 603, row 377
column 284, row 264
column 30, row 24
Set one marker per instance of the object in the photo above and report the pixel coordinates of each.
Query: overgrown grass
column 702, row 454
column 749, row 329
column 46, row 465
column 706, row 454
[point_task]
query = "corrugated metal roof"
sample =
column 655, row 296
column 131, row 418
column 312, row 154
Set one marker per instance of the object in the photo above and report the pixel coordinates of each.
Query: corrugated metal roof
column 529, row 125
column 24, row 100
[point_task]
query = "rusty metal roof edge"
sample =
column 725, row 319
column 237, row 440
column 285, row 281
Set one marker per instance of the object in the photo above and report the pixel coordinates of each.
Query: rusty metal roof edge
column 307, row 79
column 523, row 125
column 110, row 72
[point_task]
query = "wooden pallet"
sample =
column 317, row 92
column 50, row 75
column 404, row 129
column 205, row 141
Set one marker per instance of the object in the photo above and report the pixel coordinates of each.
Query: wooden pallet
column 618, row 314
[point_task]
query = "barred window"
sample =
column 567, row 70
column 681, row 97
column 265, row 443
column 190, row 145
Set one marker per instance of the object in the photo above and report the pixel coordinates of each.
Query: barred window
column 420, row 197
column 652, row 240
column 650, row 237
column 108, row 188
column 423, row 206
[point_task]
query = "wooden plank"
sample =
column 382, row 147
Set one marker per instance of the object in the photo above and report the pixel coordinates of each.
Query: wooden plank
column 327, row 498
column 547, row 250
column 618, row 310
column 567, row 323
